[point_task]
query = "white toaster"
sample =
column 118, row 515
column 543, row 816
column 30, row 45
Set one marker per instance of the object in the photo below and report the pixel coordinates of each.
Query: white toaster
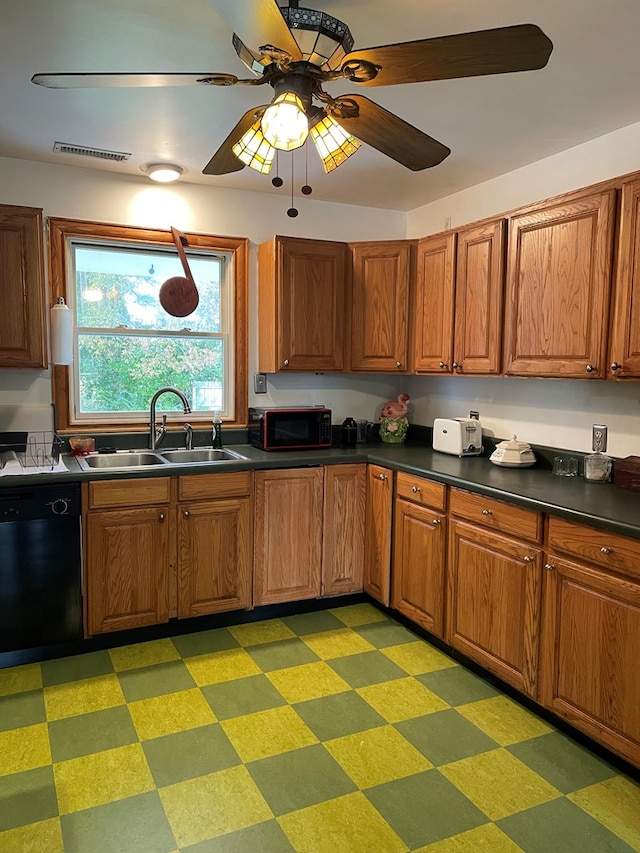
column 457, row 436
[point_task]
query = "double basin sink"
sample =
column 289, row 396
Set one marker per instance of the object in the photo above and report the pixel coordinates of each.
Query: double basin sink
column 132, row 459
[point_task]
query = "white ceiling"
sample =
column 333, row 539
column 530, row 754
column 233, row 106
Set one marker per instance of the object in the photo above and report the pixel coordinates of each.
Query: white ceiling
column 492, row 124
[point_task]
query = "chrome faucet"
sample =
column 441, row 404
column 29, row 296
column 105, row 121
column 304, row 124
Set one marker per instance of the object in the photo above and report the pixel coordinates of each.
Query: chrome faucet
column 156, row 434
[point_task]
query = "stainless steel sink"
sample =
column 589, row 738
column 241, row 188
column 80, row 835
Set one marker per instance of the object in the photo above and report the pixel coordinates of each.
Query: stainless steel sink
column 200, row 454
column 121, row 459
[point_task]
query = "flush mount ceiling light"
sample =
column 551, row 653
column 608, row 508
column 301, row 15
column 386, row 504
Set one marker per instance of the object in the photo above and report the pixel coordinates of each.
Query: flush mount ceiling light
column 164, row 173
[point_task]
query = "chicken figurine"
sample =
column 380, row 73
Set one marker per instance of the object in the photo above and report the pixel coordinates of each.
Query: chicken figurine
column 393, row 420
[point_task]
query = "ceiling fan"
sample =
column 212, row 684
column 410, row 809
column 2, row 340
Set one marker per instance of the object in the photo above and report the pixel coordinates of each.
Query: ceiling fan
column 301, row 49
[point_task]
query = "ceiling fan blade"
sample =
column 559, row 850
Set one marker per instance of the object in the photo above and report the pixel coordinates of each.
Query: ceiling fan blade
column 104, row 81
column 519, row 48
column 224, row 160
column 392, row 135
column 258, row 22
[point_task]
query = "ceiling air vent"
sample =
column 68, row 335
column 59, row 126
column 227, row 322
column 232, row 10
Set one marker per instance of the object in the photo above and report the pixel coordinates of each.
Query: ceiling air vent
column 66, row 148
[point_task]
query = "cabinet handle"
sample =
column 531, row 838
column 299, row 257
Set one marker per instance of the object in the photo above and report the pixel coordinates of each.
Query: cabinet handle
column 487, row 512
column 186, row 513
column 398, row 365
column 435, row 521
column 286, row 362
column 528, row 559
column 415, row 489
column 590, row 368
column 455, row 365
column 616, row 366
column 443, row 365
column 605, row 550
column 161, row 516
column 549, row 567
column 382, row 476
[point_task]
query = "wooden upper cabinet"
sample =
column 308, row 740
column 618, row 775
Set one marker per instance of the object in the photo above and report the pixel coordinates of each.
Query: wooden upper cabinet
column 434, row 304
column 381, row 274
column 22, row 322
column 301, row 304
column 624, row 353
column 480, row 267
column 558, row 287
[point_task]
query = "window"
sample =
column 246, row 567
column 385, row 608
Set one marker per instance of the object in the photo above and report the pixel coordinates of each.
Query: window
column 126, row 346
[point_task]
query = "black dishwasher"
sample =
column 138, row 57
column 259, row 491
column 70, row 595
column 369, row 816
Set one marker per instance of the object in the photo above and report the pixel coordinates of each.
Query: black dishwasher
column 40, row 565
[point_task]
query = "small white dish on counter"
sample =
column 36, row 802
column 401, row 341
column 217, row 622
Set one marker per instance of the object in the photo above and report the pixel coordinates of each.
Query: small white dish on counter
column 513, row 454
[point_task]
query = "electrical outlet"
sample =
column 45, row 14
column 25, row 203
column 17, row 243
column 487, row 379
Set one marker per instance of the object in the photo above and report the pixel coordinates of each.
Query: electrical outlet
column 599, row 437
column 260, row 383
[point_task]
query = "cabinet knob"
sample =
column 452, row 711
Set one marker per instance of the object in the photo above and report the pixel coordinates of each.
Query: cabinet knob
column 286, row 362
column 605, row 550
column 590, row 368
column 443, row 365
column 487, row 512
column 186, row 513
column 455, row 365
column 435, row 521
column 415, row 489
column 528, row 559
column 382, row 476
column 615, row 366
column 398, row 365
column 160, row 516
column 549, row 567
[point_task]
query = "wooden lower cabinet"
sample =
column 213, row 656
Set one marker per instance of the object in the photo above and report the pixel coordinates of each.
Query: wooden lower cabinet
column 590, row 653
column 418, row 565
column 377, row 551
column 288, row 535
column 343, row 529
column 214, row 556
column 127, row 568
column 493, row 605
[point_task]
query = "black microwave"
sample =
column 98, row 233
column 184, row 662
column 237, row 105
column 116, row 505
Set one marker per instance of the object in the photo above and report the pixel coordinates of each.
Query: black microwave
column 286, row 428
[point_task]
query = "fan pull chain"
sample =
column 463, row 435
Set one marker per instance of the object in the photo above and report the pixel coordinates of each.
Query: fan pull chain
column 292, row 212
column 306, row 189
column 277, row 180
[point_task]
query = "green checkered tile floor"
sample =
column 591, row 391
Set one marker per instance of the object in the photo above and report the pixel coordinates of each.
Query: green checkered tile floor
column 331, row 732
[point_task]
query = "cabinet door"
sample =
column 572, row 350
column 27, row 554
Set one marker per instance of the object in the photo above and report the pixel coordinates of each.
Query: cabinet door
column 22, row 320
column 558, row 288
column 127, row 568
column 343, row 536
column 624, row 354
column 480, row 266
column 214, row 557
column 418, row 565
column 288, row 535
column 302, row 297
column 380, row 305
column 377, row 549
column 494, row 602
column 433, row 316
column 590, row 653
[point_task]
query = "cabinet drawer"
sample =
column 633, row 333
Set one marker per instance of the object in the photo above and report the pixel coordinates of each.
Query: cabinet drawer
column 138, row 492
column 609, row 550
column 222, row 485
column 420, row 491
column 497, row 515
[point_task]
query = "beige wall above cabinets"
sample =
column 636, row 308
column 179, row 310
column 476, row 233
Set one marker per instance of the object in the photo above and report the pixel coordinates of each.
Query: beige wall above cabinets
column 22, row 320
column 458, row 301
column 558, row 287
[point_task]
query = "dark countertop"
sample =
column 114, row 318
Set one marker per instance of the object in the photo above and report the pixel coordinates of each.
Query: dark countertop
column 600, row 505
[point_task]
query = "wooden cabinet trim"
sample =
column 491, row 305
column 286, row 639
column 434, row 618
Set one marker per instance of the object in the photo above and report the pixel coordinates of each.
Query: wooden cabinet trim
column 134, row 492
column 218, row 485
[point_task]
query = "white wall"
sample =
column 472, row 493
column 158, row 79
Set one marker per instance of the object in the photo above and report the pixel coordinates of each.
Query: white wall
column 82, row 193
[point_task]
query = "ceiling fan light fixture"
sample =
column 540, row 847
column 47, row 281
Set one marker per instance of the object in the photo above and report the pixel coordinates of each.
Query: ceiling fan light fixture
column 284, row 124
column 254, row 150
column 334, row 145
column 323, row 40
column 164, row 173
